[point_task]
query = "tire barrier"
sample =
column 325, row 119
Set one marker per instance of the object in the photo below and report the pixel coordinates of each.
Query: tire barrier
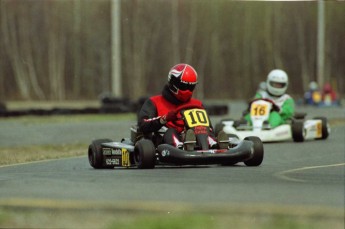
column 109, row 105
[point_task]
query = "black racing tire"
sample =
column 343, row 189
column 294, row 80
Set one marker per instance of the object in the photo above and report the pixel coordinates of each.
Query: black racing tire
column 95, row 154
column 298, row 132
column 258, row 156
column 145, row 154
column 325, row 128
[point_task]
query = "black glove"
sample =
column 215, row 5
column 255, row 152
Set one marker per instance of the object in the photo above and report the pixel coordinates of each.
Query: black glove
column 275, row 108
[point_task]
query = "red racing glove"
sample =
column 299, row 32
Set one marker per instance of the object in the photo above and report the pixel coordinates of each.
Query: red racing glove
column 170, row 116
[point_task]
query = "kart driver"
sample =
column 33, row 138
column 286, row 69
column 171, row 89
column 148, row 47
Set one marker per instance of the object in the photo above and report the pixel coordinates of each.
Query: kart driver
column 277, row 83
column 159, row 110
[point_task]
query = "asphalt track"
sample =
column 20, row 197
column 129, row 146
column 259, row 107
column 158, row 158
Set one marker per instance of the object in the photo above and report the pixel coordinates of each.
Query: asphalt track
column 309, row 175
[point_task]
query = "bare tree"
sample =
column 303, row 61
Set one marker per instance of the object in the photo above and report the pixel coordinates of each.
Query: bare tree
column 76, row 47
column 175, row 32
column 11, row 41
column 61, row 49
column 56, row 52
column 191, row 35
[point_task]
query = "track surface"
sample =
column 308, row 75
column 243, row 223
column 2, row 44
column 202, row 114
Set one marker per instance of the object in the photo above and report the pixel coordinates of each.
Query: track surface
column 292, row 174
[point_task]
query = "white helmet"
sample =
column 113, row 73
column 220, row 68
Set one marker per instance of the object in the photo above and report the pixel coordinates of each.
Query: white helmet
column 277, row 82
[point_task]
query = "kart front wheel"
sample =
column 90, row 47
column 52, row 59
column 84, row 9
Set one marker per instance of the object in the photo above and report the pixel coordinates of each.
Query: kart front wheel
column 258, row 149
column 95, row 154
column 145, row 154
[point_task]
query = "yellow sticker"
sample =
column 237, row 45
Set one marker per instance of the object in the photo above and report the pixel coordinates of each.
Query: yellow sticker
column 259, row 109
column 125, row 158
column 196, row 117
column 319, row 129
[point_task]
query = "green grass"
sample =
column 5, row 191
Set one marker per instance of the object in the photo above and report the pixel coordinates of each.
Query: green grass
column 221, row 221
column 15, row 155
column 22, row 154
column 194, row 221
column 110, row 219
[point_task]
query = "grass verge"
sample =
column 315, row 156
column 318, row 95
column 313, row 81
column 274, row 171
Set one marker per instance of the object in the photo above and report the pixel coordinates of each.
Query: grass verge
column 111, row 219
column 16, row 155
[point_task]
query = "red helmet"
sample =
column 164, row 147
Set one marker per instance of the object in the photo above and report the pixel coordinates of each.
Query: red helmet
column 182, row 80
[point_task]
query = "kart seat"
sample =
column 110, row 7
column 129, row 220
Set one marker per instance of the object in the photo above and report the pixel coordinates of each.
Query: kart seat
column 136, row 134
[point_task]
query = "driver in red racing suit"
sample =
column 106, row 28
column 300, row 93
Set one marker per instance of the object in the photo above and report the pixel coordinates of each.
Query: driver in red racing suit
column 160, row 110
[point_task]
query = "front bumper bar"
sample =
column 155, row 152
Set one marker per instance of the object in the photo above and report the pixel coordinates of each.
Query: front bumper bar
column 169, row 154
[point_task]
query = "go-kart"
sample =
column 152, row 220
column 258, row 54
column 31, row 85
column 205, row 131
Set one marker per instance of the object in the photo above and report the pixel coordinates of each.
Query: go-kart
column 297, row 128
column 147, row 152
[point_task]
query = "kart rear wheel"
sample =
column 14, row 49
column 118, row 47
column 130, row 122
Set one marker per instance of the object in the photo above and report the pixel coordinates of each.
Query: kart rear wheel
column 325, row 128
column 145, row 154
column 297, row 129
column 95, row 153
column 258, row 156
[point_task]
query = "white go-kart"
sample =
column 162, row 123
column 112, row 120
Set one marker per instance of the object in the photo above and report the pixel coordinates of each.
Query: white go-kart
column 298, row 128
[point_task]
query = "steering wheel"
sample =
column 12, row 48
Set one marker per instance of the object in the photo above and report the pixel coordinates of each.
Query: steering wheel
column 188, row 106
column 275, row 107
column 185, row 107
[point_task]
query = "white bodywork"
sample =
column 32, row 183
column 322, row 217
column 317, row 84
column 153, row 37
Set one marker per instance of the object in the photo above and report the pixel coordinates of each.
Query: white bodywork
column 280, row 133
column 260, row 110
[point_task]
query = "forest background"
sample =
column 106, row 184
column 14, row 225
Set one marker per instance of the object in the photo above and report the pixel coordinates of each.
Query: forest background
column 62, row 49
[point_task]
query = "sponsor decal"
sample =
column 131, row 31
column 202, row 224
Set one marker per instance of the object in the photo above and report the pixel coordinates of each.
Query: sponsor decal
column 212, row 151
column 152, row 119
column 319, row 129
column 116, row 152
column 125, row 158
column 165, row 153
column 200, row 130
column 112, row 161
column 106, row 151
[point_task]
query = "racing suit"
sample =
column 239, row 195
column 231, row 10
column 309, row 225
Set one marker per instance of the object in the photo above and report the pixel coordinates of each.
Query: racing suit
column 157, row 106
column 286, row 106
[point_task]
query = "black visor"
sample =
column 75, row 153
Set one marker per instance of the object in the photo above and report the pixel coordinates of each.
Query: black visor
column 185, row 86
column 182, row 85
column 277, row 84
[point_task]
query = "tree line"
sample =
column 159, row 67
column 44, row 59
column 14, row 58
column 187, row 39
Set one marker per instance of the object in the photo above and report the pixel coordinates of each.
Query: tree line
column 61, row 49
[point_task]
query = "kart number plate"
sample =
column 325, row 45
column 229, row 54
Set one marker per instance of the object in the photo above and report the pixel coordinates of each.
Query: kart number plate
column 319, row 130
column 196, row 117
column 125, row 158
column 259, row 109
